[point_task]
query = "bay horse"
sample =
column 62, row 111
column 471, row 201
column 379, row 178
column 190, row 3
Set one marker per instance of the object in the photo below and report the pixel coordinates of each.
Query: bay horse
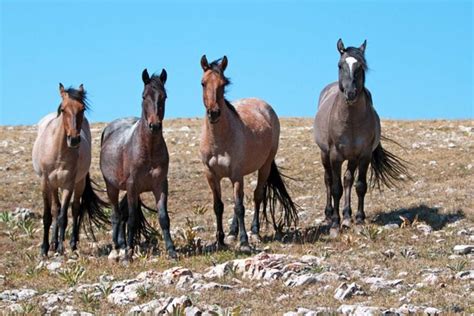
column 62, row 157
column 238, row 139
column 134, row 158
column 347, row 127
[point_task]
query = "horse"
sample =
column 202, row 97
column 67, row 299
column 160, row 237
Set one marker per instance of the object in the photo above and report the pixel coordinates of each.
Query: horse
column 237, row 139
column 347, row 127
column 62, row 157
column 134, row 158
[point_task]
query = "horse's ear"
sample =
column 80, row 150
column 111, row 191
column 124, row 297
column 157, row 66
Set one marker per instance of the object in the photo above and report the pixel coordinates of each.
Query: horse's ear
column 62, row 92
column 340, row 46
column 163, row 76
column 81, row 88
column 145, row 76
column 204, row 63
column 223, row 64
column 362, row 47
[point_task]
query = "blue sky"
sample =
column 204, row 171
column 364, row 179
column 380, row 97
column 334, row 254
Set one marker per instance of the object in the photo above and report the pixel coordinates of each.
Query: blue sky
column 419, row 54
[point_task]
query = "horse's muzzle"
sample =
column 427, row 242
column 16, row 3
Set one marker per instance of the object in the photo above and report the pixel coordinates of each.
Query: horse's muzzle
column 154, row 128
column 213, row 115
column 73, row 142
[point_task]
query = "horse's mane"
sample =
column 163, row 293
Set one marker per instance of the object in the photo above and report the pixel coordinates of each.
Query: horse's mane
column 76, row 95
column 155, row 81
column 214, row 66
column 359, row 55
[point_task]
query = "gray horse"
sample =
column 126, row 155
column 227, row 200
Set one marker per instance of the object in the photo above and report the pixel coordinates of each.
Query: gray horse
column 347, row 127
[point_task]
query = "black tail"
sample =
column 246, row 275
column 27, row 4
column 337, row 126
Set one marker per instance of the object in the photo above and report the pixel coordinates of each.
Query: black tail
column 93, row 206
column 275, row 191
column 387, row 168
column 144, row 228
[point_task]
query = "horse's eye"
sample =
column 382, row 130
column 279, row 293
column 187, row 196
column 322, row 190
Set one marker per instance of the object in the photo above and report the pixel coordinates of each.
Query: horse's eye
column 62, row 110
column 203, row 84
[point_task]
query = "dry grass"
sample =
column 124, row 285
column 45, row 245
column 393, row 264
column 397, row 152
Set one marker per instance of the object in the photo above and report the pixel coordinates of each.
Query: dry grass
column 441, row 161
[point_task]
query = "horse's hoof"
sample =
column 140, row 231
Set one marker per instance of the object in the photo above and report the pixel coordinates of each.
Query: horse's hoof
column 230, row 239
column 245, row 249
column 326, row 222
column 346, row 223
column 172, row 254
column 360, row 221
column 334, row 232
column 114, row 255
column 255, row 238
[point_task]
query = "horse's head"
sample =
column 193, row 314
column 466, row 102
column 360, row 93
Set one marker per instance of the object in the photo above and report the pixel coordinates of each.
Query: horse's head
column 352, row 67
column 71, row 110
column 213, row 85
column 154, row 97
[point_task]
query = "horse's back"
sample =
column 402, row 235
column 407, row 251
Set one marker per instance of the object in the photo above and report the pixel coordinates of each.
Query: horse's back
column 119, row 129
column 257, row 114
column 321, row 122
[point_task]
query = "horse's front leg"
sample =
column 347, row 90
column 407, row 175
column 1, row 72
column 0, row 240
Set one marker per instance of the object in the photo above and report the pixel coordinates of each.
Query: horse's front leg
column 47, row 218
column 55, row 209
column 215, row 185
column 336, row 190
column 62, row 218
column 161, row 196
column 361, row 189
column 239, row 212
column 328, row 210
column 348, row 181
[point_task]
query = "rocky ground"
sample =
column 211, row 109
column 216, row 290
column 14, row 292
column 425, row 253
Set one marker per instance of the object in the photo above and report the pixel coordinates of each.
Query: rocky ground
column 415, row 255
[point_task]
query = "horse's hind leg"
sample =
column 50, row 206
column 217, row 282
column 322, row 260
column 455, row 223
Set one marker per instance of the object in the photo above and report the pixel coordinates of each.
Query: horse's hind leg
column 55, row 209
column 132, row 221
column 161, row 196
column 361, row 189
column 336, row 190
column 47, row 218
column 113, row 194
column 348, row 181
column 215, row 186
column 328, row 210
column 62, row 218
column 76, row 213
column 258, row 195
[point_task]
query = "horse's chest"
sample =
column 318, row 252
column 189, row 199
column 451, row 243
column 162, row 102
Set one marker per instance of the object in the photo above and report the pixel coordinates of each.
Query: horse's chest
column 220, row 163
column 62, row 177
column 351, row 145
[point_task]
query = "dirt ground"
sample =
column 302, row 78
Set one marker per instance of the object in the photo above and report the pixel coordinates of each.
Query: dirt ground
column 441, row 160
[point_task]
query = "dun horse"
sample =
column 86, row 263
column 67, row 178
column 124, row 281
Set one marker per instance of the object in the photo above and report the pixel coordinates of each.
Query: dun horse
column 134, row 158
column 62, row 157
column 347, row 127
column 238, row 139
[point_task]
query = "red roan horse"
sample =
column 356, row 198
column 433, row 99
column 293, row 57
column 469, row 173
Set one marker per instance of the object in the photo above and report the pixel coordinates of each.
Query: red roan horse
column 238, row 139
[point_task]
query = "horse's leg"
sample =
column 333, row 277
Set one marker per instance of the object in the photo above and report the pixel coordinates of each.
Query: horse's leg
column 47, row 218
column 62, row 218
column 239, row 212
column 348, row 181
column 55, row 209
column 361, row 189
column 258, row 195
column 113, row 194
column 132, row 221
column 76, row 212
column 328, row 210
column 161, row 196
column 215, row 185
column 336, row 190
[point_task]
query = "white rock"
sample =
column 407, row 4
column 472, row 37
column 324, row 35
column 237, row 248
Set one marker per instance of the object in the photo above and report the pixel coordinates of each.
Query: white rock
column 432, row 311
column 465, row 275
column 300, row 280
column 463, row 249
column 358, row 310
column 345, row 291
column 53, row 266
column 424, row 228
column 430, row 279
column 282, row 297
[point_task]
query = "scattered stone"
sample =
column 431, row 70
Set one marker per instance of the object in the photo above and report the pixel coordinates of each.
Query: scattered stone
column 391, row 226
column 22, row 214
column 199, row 229
column 54, row 266
column 300, row 280
column 463, row 249
column 465, row 275
column 430, row 279
column 432, row 311
column 282, row 297
column 345, row 291
column 389, row 253
column 358, row 310
column 424, row 228
column 381, row 283
column 17, row 295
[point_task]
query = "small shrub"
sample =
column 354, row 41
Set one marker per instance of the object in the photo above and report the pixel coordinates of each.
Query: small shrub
column 72, row 275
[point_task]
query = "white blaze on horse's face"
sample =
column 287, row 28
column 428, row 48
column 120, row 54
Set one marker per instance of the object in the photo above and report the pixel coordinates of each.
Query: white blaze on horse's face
column 350, row 62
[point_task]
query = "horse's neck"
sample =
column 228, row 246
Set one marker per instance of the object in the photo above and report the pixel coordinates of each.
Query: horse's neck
column 355, row 113
column 60, row 141
column 220, row 134
column 148, row 141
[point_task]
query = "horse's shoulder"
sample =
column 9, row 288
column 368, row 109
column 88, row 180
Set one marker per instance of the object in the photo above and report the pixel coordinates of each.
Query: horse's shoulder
column 119, row 127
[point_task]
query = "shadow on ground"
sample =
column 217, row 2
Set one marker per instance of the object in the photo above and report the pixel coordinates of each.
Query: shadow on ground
column 423, row 213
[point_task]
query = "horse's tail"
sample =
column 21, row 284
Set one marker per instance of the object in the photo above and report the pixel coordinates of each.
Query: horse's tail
column 275, row 191
column 387, row 168
column 93, row 206
column 144, row 228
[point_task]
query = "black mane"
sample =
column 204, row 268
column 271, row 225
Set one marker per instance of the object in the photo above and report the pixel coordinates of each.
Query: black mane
column 357, row 54
column 214, row 66
column 155, row 81
column 76, row 95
